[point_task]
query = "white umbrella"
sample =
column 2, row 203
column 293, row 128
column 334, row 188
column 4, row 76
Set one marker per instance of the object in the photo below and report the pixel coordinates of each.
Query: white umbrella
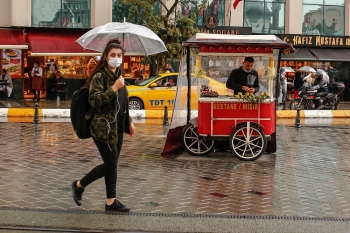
column 307, row 69
column 137, row 40
column 287, row 69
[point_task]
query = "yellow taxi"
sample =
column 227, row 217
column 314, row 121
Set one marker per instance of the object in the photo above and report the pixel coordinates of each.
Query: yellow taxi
column 160, row 90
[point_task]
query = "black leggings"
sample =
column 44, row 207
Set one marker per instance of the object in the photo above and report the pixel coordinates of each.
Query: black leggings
column 108, row 169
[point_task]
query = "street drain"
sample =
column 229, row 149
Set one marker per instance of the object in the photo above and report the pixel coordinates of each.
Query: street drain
column 231, row 216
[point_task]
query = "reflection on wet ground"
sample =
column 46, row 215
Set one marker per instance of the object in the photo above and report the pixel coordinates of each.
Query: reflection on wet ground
column 314, row 121
column 307, row 176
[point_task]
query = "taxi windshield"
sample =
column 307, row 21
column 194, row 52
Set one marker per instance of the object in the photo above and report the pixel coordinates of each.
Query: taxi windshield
column 147, row 81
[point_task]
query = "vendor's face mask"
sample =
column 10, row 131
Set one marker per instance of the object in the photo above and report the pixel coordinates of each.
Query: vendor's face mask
column 248, row 66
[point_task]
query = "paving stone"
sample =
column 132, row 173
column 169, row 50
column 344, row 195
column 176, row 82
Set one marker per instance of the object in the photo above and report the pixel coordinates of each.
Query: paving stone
column 307, row 176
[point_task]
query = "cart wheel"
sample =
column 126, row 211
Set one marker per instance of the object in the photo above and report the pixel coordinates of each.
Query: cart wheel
column 247, row 142
column 193, row 143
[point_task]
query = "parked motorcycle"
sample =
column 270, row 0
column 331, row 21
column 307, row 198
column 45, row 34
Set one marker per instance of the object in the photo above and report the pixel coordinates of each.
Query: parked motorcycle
column 307, row 98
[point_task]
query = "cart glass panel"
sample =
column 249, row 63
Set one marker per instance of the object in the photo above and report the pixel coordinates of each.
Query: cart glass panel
column 209, row 73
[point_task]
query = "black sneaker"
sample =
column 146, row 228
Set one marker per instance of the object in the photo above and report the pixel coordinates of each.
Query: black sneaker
column 77, row 193
column 117, row 206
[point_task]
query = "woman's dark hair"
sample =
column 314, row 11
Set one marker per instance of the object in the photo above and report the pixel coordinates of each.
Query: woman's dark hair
column 112, row 44
column 5, row 71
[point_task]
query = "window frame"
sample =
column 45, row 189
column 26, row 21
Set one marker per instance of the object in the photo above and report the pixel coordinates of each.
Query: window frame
column 278, row 29
column 323, row 7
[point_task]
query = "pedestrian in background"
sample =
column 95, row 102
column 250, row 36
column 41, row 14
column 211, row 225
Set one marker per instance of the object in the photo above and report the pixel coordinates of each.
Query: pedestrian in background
column 283, row 86
column 169, row 68
column 37, row 73
column 331, row 73
column 9, row 86
column 297, row 83
column 57, row 78
column 109, row 119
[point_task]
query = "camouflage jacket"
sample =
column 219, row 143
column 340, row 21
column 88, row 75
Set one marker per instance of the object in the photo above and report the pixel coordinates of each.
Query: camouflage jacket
column 103, row 112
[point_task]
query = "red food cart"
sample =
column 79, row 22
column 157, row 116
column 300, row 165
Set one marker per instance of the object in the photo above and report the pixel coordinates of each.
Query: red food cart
column 205, row 112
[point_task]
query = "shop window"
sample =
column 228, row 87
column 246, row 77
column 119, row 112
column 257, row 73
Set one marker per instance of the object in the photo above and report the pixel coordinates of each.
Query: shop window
column 323, row 17
column 264, row 16
column 61, row 14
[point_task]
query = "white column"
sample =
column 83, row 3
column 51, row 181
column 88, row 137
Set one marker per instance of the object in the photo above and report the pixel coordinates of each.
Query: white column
column 101, row 12
column 20, row 13
column 294, row 17
column 5, row 13
column 236, row 14
column 347, row 18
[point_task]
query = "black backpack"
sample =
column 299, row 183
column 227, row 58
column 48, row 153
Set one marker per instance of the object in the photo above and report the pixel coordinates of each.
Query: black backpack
column 79, row 107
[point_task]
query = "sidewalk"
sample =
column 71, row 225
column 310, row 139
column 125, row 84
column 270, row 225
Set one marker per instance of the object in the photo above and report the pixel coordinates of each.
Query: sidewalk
column 303, row 187
column 49, row 109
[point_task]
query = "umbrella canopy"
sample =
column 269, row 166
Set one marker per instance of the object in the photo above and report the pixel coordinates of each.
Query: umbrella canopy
column 307, row 69
column 137, row 40
column 287, row 69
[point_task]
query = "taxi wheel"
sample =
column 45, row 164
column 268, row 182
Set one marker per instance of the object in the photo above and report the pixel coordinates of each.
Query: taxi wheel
column 193, row 143
column 247, row 142
column 135, row 104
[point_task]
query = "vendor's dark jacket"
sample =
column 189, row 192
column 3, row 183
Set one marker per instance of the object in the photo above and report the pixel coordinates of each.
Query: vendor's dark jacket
column 103, row 113
column 238, row 78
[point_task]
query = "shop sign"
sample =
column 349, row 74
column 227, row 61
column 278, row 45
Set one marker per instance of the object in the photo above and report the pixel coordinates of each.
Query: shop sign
column 226, row 30
column 316, row 40
column 12, row 61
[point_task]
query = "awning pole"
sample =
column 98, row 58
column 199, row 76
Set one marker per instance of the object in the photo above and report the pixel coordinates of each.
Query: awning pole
column 188, row 74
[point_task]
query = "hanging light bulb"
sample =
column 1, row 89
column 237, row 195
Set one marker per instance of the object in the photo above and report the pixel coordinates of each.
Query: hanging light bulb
column 217, row 63
column 211, row 62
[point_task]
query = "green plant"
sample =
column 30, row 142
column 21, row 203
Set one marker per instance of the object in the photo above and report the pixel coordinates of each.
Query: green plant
column 146, row 60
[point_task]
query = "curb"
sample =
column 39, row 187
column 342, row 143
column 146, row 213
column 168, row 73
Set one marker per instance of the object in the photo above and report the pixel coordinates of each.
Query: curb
column 156, row 114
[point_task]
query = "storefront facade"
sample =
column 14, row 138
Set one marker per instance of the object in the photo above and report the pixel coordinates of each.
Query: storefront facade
column 46, row 31
column 12, row 48
column 295, row 20
column 319, row 52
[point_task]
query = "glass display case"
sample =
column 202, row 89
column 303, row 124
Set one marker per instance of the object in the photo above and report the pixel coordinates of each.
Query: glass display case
column 72, row 67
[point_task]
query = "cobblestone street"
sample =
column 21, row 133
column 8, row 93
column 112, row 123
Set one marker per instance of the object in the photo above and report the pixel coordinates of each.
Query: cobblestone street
column 308, row 175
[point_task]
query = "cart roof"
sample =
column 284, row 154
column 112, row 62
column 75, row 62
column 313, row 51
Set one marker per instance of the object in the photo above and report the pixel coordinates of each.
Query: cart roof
column 205, row 39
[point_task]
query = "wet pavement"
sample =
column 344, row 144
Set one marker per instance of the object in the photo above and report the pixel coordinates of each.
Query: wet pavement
column 308, row 176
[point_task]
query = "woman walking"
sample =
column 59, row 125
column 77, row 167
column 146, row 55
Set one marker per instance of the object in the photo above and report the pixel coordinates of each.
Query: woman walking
column 109, row 119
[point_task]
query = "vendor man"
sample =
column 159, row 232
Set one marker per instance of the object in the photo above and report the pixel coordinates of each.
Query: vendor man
column 244, row 79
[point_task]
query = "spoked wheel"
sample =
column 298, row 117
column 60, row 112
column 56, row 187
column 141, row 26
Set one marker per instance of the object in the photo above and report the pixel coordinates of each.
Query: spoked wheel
column 294, row 104
column 193, row 143
column 247, row 142
column 135, row 104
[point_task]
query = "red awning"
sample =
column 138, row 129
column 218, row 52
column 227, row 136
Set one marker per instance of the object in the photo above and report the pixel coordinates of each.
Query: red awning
column 12, row 39
column 56, row 42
